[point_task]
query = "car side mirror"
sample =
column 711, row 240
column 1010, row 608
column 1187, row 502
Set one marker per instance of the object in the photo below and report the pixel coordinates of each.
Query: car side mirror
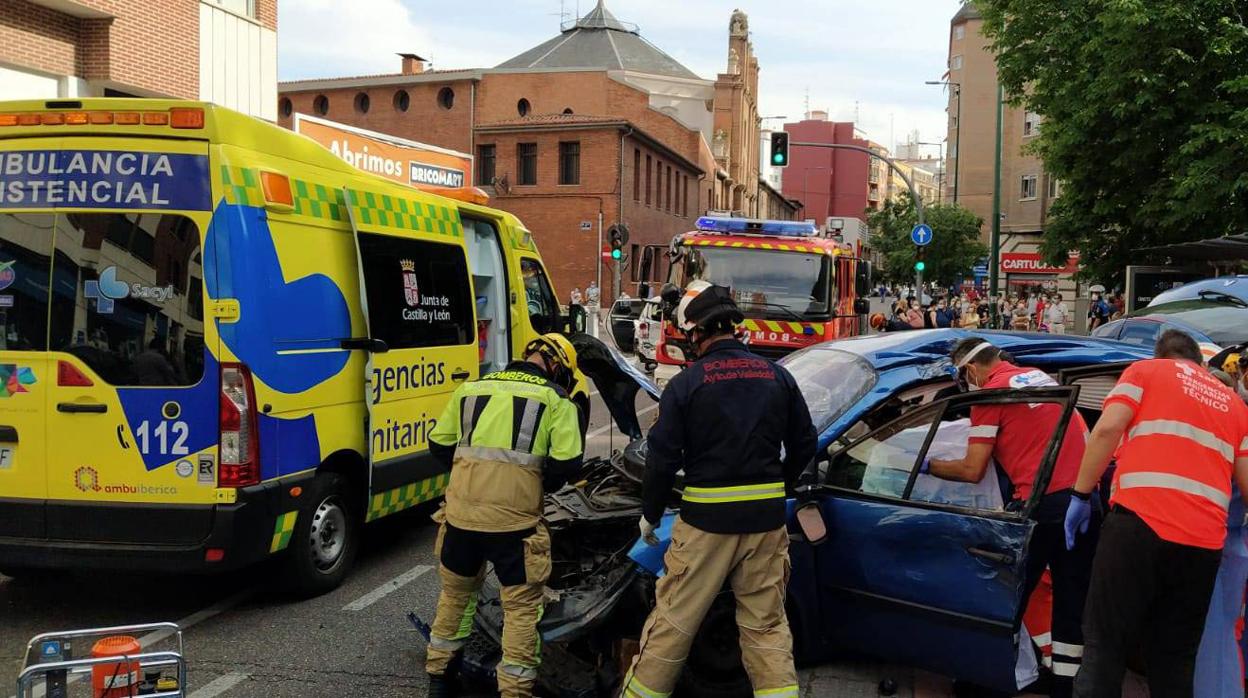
column 576, row 319
column 862, row 306
column 810, row 521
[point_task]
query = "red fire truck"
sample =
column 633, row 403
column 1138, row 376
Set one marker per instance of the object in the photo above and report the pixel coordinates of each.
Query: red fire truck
column 795, row 285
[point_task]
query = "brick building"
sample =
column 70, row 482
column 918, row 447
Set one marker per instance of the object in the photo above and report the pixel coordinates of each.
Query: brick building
column 830, row 182
column 224, row 51
column 592, row 127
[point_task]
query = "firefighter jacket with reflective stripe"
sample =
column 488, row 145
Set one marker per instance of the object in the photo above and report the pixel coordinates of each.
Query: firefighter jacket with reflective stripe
column 1176, row 460
column 505, row 437
column 724, row 421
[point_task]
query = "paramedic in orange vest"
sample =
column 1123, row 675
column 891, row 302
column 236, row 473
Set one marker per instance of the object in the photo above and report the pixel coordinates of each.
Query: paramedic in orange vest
column 1183, row 436
column 1017, row 436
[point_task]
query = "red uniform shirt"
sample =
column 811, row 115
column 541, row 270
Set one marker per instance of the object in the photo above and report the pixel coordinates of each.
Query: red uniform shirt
column 1176, row 459
column 1020, row 433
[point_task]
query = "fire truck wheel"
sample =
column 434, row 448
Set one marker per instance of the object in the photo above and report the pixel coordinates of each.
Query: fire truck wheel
column 326, row 537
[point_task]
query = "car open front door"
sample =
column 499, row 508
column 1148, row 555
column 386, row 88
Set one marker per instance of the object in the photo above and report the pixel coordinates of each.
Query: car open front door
column 923, row 571
column 421, row 343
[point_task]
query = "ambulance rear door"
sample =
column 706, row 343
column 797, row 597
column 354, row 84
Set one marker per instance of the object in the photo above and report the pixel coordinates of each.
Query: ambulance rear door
column 419, row 312
column 26, row 232
column 133, row 389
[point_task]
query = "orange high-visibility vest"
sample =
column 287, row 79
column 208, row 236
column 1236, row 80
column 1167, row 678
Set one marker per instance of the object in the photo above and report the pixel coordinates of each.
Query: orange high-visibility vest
column 1176, row 460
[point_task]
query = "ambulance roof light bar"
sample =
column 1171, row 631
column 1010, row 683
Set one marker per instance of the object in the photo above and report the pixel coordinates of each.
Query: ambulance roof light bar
column 751, row 226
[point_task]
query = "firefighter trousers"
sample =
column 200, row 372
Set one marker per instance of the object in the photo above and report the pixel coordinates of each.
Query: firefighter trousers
column 521, row 561
column 756, row 566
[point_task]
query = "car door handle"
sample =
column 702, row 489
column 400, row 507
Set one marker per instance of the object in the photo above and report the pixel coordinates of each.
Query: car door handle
column 82, row 407
column 991, row 555
column 460, row 376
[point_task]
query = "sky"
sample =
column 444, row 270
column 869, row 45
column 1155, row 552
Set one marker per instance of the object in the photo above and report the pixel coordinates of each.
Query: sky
column 860, row 61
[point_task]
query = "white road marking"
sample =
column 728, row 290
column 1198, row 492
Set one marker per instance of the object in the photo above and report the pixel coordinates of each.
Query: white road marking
column 151, row 638
column 219, row 685
column 380, row 592
column 611, row 425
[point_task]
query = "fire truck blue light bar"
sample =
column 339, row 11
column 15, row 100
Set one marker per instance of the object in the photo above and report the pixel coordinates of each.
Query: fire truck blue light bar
column 719, row 224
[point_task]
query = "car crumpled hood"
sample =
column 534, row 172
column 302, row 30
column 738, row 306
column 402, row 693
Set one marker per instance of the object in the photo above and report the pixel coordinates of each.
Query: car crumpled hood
column 616, row 379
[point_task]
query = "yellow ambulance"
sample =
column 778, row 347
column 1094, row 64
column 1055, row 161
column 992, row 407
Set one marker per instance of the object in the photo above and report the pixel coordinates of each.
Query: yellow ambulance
column 219, row 342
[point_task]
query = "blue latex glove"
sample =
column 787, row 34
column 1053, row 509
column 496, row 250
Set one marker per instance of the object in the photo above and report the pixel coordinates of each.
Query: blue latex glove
column 1078, row 514
column 926, row 467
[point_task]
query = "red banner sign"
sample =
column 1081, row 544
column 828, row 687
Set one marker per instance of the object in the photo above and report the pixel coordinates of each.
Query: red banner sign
column 1033, row 263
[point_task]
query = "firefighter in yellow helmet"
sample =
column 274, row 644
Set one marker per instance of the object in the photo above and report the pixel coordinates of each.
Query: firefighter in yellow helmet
column 508, row 437
column 725, row 421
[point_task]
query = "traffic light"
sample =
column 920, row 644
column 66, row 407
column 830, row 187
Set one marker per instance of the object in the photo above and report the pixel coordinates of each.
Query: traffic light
column 618, row 237
column 919, row 264
column 779, row 149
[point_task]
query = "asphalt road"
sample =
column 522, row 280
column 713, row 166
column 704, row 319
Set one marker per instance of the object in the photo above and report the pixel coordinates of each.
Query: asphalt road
column 242, row 639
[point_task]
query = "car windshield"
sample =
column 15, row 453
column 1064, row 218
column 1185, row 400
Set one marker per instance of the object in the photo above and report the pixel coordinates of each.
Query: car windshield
column 1225, row 324
column 773, row 285
column 831, row 381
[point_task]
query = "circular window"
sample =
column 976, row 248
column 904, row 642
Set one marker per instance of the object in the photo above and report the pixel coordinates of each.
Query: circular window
column 284, row 107
column 446, row 98
column 567, row 110
column 362, row 103
column 321, row 105
column 523, row 107
column 402, row 101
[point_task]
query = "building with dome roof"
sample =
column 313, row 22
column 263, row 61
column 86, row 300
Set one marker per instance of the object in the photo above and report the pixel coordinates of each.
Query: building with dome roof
column 591, row 127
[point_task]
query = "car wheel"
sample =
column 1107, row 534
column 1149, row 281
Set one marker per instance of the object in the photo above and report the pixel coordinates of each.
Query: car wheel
column 714, row 669
column 325, row 540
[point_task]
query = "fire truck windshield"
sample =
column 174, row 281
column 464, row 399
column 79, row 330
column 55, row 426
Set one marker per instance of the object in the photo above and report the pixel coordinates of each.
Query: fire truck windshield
column 766, row 284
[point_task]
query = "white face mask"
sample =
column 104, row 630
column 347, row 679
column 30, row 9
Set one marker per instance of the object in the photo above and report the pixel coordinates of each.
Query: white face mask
column 971, row 385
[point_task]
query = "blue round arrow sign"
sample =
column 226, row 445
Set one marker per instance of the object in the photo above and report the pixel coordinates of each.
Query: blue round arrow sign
column 921, row 235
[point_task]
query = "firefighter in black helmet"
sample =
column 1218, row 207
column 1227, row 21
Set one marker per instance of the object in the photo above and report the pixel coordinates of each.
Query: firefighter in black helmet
column 725, row 421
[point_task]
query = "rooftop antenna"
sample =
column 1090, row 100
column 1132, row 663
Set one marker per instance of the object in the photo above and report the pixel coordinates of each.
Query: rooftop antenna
column 855, row 111
column 563, row 13
column 807, row 107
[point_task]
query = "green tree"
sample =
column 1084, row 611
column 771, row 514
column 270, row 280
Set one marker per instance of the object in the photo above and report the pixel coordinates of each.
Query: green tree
column 954, row 249
column 1145, row 106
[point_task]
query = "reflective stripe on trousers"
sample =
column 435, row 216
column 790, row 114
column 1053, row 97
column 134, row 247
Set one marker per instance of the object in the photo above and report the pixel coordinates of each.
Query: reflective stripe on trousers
column 782, row 692
column 738, row 493
column 636, row 689
column 1178, row 483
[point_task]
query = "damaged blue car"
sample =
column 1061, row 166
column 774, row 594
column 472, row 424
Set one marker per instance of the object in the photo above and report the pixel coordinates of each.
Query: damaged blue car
column 888, row 562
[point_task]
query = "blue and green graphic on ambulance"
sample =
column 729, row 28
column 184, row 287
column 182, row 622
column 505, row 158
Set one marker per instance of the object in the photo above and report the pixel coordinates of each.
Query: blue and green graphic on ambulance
column 104, row 179
column 107, row 290
column 280, row 321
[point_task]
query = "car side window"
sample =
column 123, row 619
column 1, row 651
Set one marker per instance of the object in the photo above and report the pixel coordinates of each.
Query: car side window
column 1143, row 334
column 882, row 463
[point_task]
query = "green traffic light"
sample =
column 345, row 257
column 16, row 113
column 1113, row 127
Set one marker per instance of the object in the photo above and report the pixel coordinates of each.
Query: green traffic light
column 920, row 266
column 777, row 159
column 615, row 254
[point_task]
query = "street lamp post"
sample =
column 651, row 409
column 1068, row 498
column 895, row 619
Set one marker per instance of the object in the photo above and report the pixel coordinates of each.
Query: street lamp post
column 957, row 130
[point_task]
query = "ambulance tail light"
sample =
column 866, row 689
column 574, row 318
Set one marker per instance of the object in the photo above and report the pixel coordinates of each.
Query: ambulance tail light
column 240, row 435
column 68, row 375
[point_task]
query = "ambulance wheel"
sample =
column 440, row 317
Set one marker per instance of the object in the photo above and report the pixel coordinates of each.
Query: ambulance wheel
column 325, row 540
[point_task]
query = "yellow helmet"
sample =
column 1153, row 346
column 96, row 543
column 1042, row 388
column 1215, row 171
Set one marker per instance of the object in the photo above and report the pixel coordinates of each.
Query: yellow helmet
column 559, row 354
